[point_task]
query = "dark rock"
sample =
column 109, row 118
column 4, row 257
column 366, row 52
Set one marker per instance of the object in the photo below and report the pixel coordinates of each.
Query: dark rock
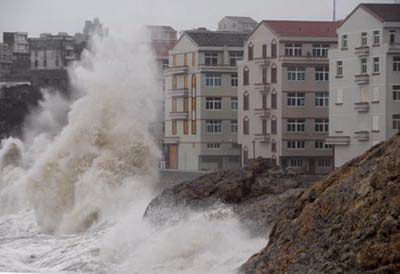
column 347, row 223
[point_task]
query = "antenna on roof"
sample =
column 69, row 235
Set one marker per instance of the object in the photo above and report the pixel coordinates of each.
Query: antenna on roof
column 334, row 11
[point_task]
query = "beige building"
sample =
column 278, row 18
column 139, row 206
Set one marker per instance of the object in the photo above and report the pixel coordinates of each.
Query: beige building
column 365, row 80
column 283, row 94
column 201, row 101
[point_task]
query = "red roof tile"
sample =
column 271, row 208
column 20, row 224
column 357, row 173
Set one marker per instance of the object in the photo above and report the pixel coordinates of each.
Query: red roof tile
column 303, row 28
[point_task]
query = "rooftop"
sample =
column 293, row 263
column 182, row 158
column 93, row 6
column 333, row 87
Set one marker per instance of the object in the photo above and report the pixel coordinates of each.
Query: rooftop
column 303, row 28
column 384, row 12
column 242, row 19
column 209, row 38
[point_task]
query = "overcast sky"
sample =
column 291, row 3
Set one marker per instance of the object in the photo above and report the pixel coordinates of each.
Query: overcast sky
column 37, row 16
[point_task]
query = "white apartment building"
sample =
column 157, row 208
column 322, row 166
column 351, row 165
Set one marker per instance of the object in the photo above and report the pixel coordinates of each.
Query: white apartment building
column 283, row 94
column 201, row 101
column 365, row 80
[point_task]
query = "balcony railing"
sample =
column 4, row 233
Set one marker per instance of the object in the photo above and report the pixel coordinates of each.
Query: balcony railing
column 361, row 106
column 179, row 115
column 362, row 135
column 264, row 62
column 362, row 79
column 263, row 112
column 171, row 140
column 217, row 67
column 177, row 70
column 394, row 47
column 263, row 137
column 338, row 140
column 304, row 59
column 362, row 51
column 262, row 87
column 179, row 92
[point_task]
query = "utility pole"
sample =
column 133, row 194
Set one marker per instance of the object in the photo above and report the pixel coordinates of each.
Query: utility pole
column 334, row 10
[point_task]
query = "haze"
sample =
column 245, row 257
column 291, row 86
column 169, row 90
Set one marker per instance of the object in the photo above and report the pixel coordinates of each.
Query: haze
column 37, row 16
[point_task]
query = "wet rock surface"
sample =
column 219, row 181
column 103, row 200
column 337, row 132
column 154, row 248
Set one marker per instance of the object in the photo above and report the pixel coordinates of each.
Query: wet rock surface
column 348, row 222
column 258, row 193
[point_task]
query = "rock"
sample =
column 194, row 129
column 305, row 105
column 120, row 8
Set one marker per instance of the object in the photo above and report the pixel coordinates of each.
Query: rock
column 347, row 223
column 258, row 193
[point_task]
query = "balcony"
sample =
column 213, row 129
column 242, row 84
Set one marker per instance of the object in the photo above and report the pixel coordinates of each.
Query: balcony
column 171, row 140
column 217, row 68
column 361, row 107
column 393, row 48
column 362, row 135
column 338, row 140
column 262, row 87
column 177, row 70
column 263, row 137
column 179, row 115
column 179, row 92
column 305, row 59
column 263, row 112
column 362, row 79
column 362, row 51
column 263, row 62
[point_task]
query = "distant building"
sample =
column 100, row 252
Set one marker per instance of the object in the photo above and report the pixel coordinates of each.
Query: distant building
column 19, row 46
column 365, row 80
column 50, row 55
column 6, row 60
column 201, row 101
column 284, row 92
column 94, row 27
column 237, row 23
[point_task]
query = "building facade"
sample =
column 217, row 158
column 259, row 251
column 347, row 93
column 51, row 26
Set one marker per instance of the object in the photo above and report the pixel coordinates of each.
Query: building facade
column 6, row 60
column 365, row 80
column 201, row 101
column 19, row 47
column 284, row 93
column 237, row 23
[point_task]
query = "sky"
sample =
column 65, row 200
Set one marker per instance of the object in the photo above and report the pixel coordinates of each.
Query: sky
column 53, row 16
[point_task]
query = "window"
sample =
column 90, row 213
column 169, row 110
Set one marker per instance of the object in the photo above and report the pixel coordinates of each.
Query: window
column 396, row 93
column 339, row 68
column 296, row 125
column 174, row 82
column 344, row 42
column 213, row 126
column 322, row 73
column 376, row 64
column 274, row 100
column 234, row 103
column 211, row 58
column 234, row 57
column 174, row 105
column 213, row 103
column 250, row 52
column 320, row 50
column 234, row 80
column 324, row 163
column 377, row 37
column 319, row 144
column 274, row 125
column 293, row 49
column 246, row 126
column 264, row 75
column 392, row 37
column 193, row 59
column 185, row 59
column 246, row 76
column 296, row 163
column 396, row 121
column 234, row 126
column 245, row 156
column 246, row 103
column 264, row 51
column 273, row 146
column 375, row 95
column 375, row 123
column 396, row 63
column 44, row 63
column 296, row 144
column 273, row 49
column 364, row 39
column 174, row 60
column 213, row 80
column 274, row 76
column 174, row 127
column 296, row 99
column 264, row 101
column 36, row 63
column 264, row 125
column 57, row 61
column 364, row 66
column 186, row 127
column 321, row 125
column 186, row 104
column 296, row 74
column 194, row 127
column 339, row 96
column 213, row 146
column 322, row 99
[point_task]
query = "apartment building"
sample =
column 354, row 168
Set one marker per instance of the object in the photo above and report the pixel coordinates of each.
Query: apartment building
column 6, row 60
column 18, row 45
column 365, row 80
column 201, row 101
column 237, row 23
column 284, row 93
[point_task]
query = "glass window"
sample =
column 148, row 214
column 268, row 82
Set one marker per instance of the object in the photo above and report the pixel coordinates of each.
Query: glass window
column 246, row 76
column 377, row 37
column 296, row 144
column 364, row 39
column 396, row 121
column 213, row 80
column 250, row 52
column 392, row 37
column 322, row 99
column 234, row 57
column 322, row 73
column 246, row 103
column 214, row 126
column 321, row 125
column 211, row 58
column 296, row 74
column 320, row 50
column 213, row 146
column 264, row 51
column 296, row 125
column 296, row 99
column 234, row 79
column 296, row 163
column 246, row 126
column 344, row 42
column 264, row 123
column 320, row 144
column 396, row 63
column 339, row 68
column 213, row 103
column 324, row 163
column 234, row 126
column 364, row 66
column 293, row 49
column 234, row 103
column 396, row 93
column 376, row 64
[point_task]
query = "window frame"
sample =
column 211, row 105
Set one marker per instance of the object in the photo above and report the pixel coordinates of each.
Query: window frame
column 296, row 125
column 396, row 93
column 296, row 99
column 321, row 125
column 211, row 58
column 213, row 80
column 296, row 74
column 214, row 126
column 321, row 99
column 322, row 73
column 293, row 49
column 320, row 50
column 213, row 103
